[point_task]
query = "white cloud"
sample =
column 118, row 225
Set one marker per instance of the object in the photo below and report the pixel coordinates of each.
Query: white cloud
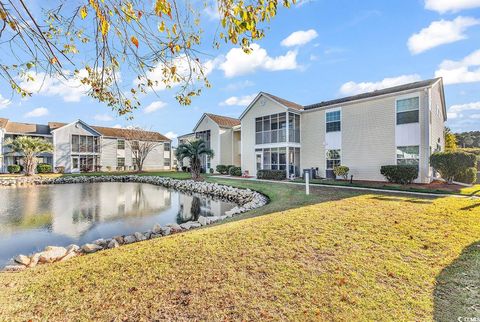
column 443, row 6
column 474, row 106
column 239, row 100
column 439, row 33
column 4, row 102
column 352, row 88
column 237, row 62
column 475, row 116
column 70, row 90
column 185, row 67
column 239, row 85
column 152, row 107
column 212, row 11
column 37, row 112
column 452, row 115
column 103, row 117
column 171, row 135
column 466, row 70
column 299, row 38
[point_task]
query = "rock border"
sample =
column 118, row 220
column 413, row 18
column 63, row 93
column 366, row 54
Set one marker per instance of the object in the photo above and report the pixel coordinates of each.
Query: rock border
column 245, row 199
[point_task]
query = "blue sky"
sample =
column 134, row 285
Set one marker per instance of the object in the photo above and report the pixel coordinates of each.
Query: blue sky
column 316, row 51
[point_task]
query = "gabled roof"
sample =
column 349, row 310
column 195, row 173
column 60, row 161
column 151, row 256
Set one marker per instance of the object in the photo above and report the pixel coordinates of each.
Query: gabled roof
column 127, row 133
column 390, row 90
column 25, row 128
column 224, row 121
column 284, row 102
column 3, row 123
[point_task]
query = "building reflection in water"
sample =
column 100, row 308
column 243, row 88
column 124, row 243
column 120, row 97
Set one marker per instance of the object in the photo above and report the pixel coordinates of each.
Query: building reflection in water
column 192, row 207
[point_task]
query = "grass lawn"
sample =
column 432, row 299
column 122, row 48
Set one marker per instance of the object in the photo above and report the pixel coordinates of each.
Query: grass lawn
column 437, row 188
column 334, row 255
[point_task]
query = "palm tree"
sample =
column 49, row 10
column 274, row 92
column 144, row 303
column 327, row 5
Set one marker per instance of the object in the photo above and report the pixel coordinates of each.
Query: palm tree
column 194, row 151
column 31, row 148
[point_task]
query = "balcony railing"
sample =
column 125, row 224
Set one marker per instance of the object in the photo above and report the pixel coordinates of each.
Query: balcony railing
column 277, row 136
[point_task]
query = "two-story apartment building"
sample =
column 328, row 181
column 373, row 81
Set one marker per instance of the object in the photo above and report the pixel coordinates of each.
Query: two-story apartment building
column 222, row 135
column 398, row 125
column 79, row 147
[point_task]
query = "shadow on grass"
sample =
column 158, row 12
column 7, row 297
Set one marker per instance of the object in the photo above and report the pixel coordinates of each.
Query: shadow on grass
column 471, row 206
column 457, row 290
column 416, row 201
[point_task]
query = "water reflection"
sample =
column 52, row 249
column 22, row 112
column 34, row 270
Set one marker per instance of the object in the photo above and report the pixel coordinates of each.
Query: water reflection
column 34, row 217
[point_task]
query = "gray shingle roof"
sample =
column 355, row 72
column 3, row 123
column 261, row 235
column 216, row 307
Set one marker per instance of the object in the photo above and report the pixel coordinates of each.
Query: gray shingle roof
column 379, row 92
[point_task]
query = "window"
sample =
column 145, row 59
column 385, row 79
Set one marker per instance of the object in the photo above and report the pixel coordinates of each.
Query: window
column 85, row 144
column 333, row 121
column 75, row 162
column 166, row 146
column 75, row 144
column 333, row 159
column 408, row 155
column 120, row 144
column 271, row 128
column 407, row 110
column 166, row 162
column 120, row 162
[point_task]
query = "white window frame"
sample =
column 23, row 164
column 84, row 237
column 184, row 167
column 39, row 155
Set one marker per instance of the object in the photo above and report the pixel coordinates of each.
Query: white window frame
column 331, row 111
column 405, row 97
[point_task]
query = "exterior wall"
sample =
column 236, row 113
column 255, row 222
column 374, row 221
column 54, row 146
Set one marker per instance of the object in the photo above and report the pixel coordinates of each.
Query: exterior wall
column 208, row 124
column 262, row 106
column 2, row 166
column 236, row 151
column 369, row 136
column 108, row 157
column 437, row 124
column 62, row 144
column 155, row 159
column 312, row 137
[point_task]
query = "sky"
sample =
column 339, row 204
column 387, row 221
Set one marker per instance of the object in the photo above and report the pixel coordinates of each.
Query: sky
column 315, row 51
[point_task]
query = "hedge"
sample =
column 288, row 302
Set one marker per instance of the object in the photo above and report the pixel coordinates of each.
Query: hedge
column 403, row 174
column 14, row 168
column 454, row 166
column 271, row 174
column 235, row 171
column 222, row 169
column 44, row 168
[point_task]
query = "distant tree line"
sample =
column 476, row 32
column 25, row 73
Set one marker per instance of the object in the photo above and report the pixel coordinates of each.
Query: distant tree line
column 468, row 139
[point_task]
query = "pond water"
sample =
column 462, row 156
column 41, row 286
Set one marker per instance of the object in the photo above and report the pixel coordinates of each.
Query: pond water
column 34, row 217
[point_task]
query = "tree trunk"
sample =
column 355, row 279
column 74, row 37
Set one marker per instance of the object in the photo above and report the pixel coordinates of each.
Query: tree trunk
column 195, row 169
column 29, row 166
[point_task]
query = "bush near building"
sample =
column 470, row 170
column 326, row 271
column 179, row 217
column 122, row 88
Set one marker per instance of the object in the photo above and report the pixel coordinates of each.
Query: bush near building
column 44, row 168
column 222, row 169
column 14, row 168
column 455, row 166
column 341, row 171
column 403, row 174
column 235, row 171
column 271, row 174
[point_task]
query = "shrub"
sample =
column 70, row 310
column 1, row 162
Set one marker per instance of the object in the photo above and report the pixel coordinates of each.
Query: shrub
column 272, row 174
column 403, row 174
column 44, row 168
column 211, row 171
column 341, row 171
column 222, row 169
column 14, row 168
column 229, row 167
column 109, row 168
column 60, row 169
column 184, row 169
column 468, row 176
column 235, row 171
column 453, row 165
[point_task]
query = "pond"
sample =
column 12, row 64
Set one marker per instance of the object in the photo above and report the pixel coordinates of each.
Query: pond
column 34, row 217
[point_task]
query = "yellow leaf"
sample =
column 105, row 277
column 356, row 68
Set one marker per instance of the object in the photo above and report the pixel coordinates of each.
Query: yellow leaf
column 161, row 27
column 105, row 26
column 83, row 12
column 134, row 41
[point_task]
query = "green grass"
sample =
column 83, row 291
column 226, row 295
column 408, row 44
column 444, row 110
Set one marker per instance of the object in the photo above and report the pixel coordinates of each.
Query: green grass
column 334, row 255
column 467, row 191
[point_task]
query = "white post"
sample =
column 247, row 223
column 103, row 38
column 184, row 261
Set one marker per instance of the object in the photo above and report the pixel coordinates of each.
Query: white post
column 307, row 183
